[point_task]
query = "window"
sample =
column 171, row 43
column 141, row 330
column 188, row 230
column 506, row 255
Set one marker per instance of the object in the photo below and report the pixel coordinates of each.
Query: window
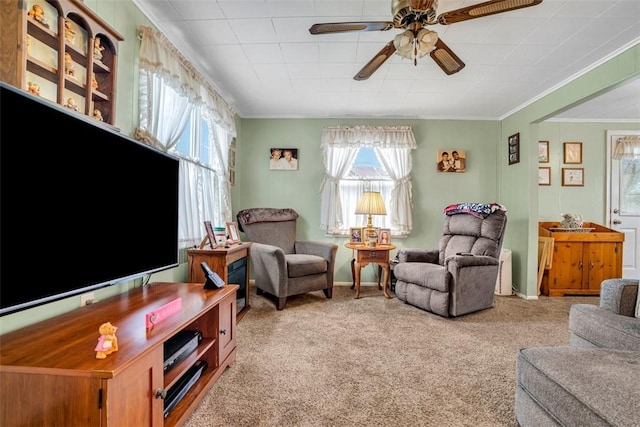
column 203, row 148
column 181, row 113
column 366, row 158
column 366, row 174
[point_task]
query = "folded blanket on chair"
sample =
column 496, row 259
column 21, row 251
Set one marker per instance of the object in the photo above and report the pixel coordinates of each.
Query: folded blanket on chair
column 253, row 215
column 480, row 210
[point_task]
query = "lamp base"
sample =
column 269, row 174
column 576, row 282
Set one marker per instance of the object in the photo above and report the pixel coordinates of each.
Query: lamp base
column 371, row 237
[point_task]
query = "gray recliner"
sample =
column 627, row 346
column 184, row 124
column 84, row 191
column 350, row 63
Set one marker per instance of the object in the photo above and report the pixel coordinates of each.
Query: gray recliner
column 460, row 276
column 282, row 265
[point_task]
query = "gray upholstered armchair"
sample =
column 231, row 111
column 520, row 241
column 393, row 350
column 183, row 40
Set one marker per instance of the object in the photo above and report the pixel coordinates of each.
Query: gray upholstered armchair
column 282, row 265
column 460, row 276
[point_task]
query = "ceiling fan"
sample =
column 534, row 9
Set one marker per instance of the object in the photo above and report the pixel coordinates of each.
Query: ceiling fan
column 416, row 41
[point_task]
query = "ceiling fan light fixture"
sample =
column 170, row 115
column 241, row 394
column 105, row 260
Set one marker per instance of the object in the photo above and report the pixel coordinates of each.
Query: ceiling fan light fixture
column 403, row 43
column 427, row 40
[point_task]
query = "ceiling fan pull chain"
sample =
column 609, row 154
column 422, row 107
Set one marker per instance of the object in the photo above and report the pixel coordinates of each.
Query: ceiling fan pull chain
column 415, row 52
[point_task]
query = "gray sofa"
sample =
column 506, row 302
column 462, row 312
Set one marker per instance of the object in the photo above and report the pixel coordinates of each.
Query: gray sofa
column 595, row 380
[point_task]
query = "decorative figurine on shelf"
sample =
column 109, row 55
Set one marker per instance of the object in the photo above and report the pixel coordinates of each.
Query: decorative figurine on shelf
column 94, row 82
column 71, row 104
column 69, row 68
column 108, row 342
column 97, row 115
column 37, row 13
column 33, row 88
column 571, row 221
column 97, row 49
column 69, row 32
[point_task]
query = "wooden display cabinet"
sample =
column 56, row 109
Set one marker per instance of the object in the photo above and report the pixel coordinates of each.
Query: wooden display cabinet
column 60, row 61
column 229, row 263
column 49, row 374
column 581, row 260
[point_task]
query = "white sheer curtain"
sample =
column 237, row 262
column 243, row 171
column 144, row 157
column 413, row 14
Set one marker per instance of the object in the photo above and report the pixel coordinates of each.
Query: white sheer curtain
column 337, row 162
column 393, row 145
column 170, row 88
column 397, row 162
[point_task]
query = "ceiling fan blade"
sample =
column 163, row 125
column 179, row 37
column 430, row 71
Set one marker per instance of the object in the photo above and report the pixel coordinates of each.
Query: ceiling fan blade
column 345, row 27
column 446, row 59
column 376, row 62
column 484, row 9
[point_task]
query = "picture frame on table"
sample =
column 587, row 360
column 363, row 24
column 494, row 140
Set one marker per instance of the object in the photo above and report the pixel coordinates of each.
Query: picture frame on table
column 543, row 151
column 544, row 175
column 572, row 152
column 210, row 234
column 384, row 236
column 355, row 235
column 232, row 232
column 514, row 148
column 573, row 177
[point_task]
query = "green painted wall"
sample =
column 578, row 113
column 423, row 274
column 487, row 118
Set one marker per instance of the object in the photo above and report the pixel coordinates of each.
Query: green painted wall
column 257, row 186
column 518, row 183
column 590, row 200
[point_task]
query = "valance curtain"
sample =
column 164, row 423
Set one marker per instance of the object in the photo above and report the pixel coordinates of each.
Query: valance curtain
column 392, row 144
column 627, row 147
column 170, row 89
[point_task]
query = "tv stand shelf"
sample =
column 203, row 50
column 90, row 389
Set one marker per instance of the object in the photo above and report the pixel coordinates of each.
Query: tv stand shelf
column 49, row 374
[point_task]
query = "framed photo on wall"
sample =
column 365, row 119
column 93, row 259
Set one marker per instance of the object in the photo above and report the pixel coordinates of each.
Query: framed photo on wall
column 514, row 148
column 284, row 159
column 573, row 152
column 544, row 175
column 573, row 177
column 451, row 160
column 543, row 151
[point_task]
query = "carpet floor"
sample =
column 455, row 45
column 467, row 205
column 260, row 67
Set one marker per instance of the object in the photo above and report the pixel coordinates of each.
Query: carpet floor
column 378, row 362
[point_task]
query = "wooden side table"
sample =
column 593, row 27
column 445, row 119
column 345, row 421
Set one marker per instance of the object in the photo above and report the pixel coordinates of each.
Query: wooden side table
column 231, row 264
column 364, row 256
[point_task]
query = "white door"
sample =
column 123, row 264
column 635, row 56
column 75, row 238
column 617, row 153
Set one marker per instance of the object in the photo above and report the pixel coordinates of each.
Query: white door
column 623, row 202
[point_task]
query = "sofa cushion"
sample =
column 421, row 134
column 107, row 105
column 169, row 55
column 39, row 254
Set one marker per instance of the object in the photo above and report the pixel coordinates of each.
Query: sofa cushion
column 593, row 326
column 300, row 265
column 577, row 386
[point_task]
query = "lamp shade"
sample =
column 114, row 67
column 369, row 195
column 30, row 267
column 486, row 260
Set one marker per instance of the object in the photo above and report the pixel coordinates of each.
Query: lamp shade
column 371, row 203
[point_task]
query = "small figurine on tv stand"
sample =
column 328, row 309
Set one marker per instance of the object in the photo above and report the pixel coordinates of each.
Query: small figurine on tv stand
column 107, row 342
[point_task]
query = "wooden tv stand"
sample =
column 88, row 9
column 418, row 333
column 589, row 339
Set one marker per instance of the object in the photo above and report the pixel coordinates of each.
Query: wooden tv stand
column 49, row 374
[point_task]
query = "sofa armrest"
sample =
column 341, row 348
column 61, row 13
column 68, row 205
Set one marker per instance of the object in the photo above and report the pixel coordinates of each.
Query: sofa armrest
column 459, row 261
column 325, row 250
column 592, row 326
column 418, row 255
column 619, row 296
column 321, row 249
column 269, row 268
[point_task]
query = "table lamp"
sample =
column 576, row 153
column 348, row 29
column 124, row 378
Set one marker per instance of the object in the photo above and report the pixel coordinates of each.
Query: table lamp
column 371, row 203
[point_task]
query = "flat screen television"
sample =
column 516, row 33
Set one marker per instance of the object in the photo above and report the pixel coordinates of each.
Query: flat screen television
column 82, row 206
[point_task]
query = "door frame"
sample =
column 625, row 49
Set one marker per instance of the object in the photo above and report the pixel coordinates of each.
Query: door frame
column 611, row 136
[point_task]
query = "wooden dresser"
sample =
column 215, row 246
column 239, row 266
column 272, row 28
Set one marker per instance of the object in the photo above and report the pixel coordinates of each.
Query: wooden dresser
column 581, row 259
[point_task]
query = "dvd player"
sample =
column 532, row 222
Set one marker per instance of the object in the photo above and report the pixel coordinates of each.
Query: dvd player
column 180, row 346
column 182, row 386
